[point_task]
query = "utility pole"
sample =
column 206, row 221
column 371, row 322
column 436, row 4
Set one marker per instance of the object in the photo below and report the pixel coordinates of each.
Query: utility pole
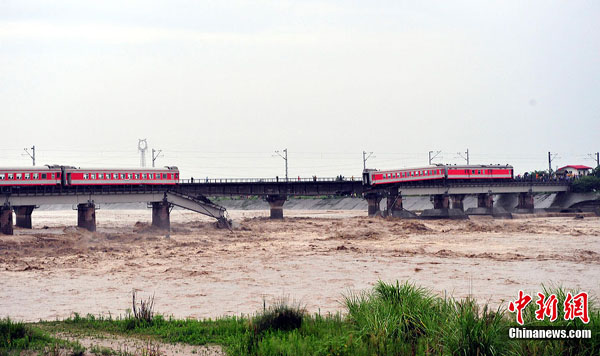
column 285, row 158
column 154, row 157
column 596, row 158
column 31, row 155
column 551, row 157
column 365, row 158
column 434, row 156
column 466, row 156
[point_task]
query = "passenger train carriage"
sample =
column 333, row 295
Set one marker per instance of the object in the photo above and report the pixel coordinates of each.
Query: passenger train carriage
column 71, row 176
column 19, row 176
column 438, row 173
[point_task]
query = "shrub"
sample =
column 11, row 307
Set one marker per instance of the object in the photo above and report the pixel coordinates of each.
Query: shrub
column 586, row 184
column 145, row 311
column 279, row 317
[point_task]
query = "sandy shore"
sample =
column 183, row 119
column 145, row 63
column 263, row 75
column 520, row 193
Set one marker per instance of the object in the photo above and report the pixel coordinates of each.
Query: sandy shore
column 311, row 256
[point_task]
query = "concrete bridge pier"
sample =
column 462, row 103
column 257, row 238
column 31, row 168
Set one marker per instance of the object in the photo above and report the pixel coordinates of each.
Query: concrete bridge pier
column 485, row 201
column 441, row 201
column 525, row 203
column 276, row 203
column 485, row 206
column 373, row 200
column 23, row 216
column 457, row 201
column 6, row 220
column 86, row 216
column 394, row 205
column 441, row 208
column 161, row 215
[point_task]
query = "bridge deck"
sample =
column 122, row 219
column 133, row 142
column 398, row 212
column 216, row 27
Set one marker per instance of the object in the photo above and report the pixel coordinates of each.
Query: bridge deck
column 260, row 187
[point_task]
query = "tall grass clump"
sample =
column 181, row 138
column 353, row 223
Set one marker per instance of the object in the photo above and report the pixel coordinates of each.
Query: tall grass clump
column 394, row 319
column 143, row 313
column 16, row 336
column 279, row 316
column 473, row 330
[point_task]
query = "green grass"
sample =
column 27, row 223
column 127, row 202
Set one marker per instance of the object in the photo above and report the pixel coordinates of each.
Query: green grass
column 16, row 337
column 390, row 319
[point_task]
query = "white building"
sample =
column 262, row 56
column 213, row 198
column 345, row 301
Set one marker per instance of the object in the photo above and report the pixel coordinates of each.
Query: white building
column 574, row 170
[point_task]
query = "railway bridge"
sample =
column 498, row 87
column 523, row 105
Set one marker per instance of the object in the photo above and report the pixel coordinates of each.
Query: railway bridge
column 447, row 197
column 190, row 194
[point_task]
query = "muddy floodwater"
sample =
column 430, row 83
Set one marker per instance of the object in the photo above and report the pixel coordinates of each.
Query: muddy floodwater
column 313, row 257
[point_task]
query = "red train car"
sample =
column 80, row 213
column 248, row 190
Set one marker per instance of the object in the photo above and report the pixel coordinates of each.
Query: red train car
column 121, row 176
column 30, row 176
column 479, row 172
column 404, row 175
column 439, row 173
column 71, row 176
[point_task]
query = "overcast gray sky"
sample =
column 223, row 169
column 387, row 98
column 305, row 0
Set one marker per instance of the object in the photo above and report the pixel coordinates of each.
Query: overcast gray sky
column 220, row 85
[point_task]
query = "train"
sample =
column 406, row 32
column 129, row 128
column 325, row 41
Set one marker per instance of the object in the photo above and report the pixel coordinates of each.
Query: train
column 438, row 173
column 56, row 175
column 53, row 175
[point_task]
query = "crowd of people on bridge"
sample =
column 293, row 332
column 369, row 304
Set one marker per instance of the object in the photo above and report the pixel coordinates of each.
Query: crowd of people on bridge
column 546, row 177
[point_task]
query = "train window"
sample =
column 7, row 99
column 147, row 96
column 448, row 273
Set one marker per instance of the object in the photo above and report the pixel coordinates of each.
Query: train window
column 1, row 176
column 86, row 176
column 143, row 175
column 11, row 176
column 93, row 176
column 129, row 176
column 100, row 175
column 27, row 176
column 164, row 176
column 176, row 175
column 150, row 175
column 44, row 176
column 136, row 176
column 36, row 176
column 472, row 171
column 478, row 172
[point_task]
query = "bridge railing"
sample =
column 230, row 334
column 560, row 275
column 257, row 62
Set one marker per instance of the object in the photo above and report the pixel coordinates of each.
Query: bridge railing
column 267, row 180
